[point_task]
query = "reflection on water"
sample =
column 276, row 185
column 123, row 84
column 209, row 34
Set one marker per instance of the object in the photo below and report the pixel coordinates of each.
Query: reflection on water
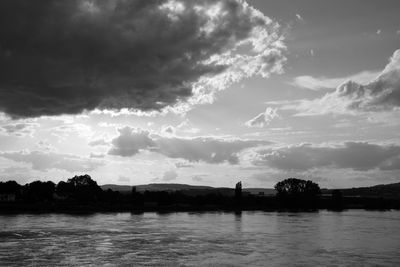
column 191, row 239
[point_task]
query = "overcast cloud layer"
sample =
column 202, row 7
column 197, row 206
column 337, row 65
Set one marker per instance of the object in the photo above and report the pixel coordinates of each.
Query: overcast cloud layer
column 64, row 57
column 43, row 161
column 353, row 155
column 207, row 149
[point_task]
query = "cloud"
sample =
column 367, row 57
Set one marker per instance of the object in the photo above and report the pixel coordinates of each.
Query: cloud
column 299, row 17
column 21, row 175
column 358, row 156
column 46, row 146
column 19, row 129
column 169, row 176
column 130, row 141
column 65, row 57
column 168, row 129
column 263, row 119
column 207, row 149
column 187, row 127
column 77, row 129
column 124, row 179
column 199, row 178
column 97, row 155
column 99, row 142
column 318, row 83
column 183, row 165
column 380, row 94
column 43, row 161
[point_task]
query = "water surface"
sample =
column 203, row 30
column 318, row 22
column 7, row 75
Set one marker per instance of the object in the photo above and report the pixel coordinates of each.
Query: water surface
column 350, row 238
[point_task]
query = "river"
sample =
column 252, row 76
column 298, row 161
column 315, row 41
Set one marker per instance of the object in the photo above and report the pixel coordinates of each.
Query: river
column 349, row 238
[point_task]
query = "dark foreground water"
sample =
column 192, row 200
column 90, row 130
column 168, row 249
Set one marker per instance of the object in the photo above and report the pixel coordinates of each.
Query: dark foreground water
column 351, row 238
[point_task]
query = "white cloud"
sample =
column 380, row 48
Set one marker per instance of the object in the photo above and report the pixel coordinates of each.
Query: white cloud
column 187, row 127
column 263, row 119
column 380, row 94
column 66, row 130
column 317, row 83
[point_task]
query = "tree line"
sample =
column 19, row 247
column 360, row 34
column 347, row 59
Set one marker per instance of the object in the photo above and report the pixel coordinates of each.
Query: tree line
column 83, row 193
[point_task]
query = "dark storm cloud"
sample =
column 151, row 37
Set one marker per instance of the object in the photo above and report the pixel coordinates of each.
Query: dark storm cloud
column 353, row 155
column 48, row 160
column 64, row 57
column 207, row 149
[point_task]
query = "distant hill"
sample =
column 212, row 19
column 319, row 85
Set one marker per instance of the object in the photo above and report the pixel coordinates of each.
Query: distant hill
column 115, row 187
column 154, row 187
column 260, row 191
column 187, row 189
column 382, row 190
column 184, row 188
column 387, row 190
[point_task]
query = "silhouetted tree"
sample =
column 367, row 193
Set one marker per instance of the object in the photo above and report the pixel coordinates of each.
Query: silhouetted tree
column 39, row 191
column 82, row 188
column 10, row 187
column 295, row 192
column 137, row 198
column 297, row 187
column 82, row 181
column 238, row 193
column 64, row 189
column 111, row 196
column 337, row 200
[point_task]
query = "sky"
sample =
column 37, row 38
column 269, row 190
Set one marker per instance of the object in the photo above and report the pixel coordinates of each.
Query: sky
column 200, row 92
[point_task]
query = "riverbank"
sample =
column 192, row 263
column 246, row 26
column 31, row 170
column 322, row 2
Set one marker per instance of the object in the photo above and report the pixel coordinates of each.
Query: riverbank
column 260, row 203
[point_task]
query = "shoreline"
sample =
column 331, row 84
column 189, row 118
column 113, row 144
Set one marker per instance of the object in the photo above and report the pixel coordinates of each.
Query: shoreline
column 169, row 209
